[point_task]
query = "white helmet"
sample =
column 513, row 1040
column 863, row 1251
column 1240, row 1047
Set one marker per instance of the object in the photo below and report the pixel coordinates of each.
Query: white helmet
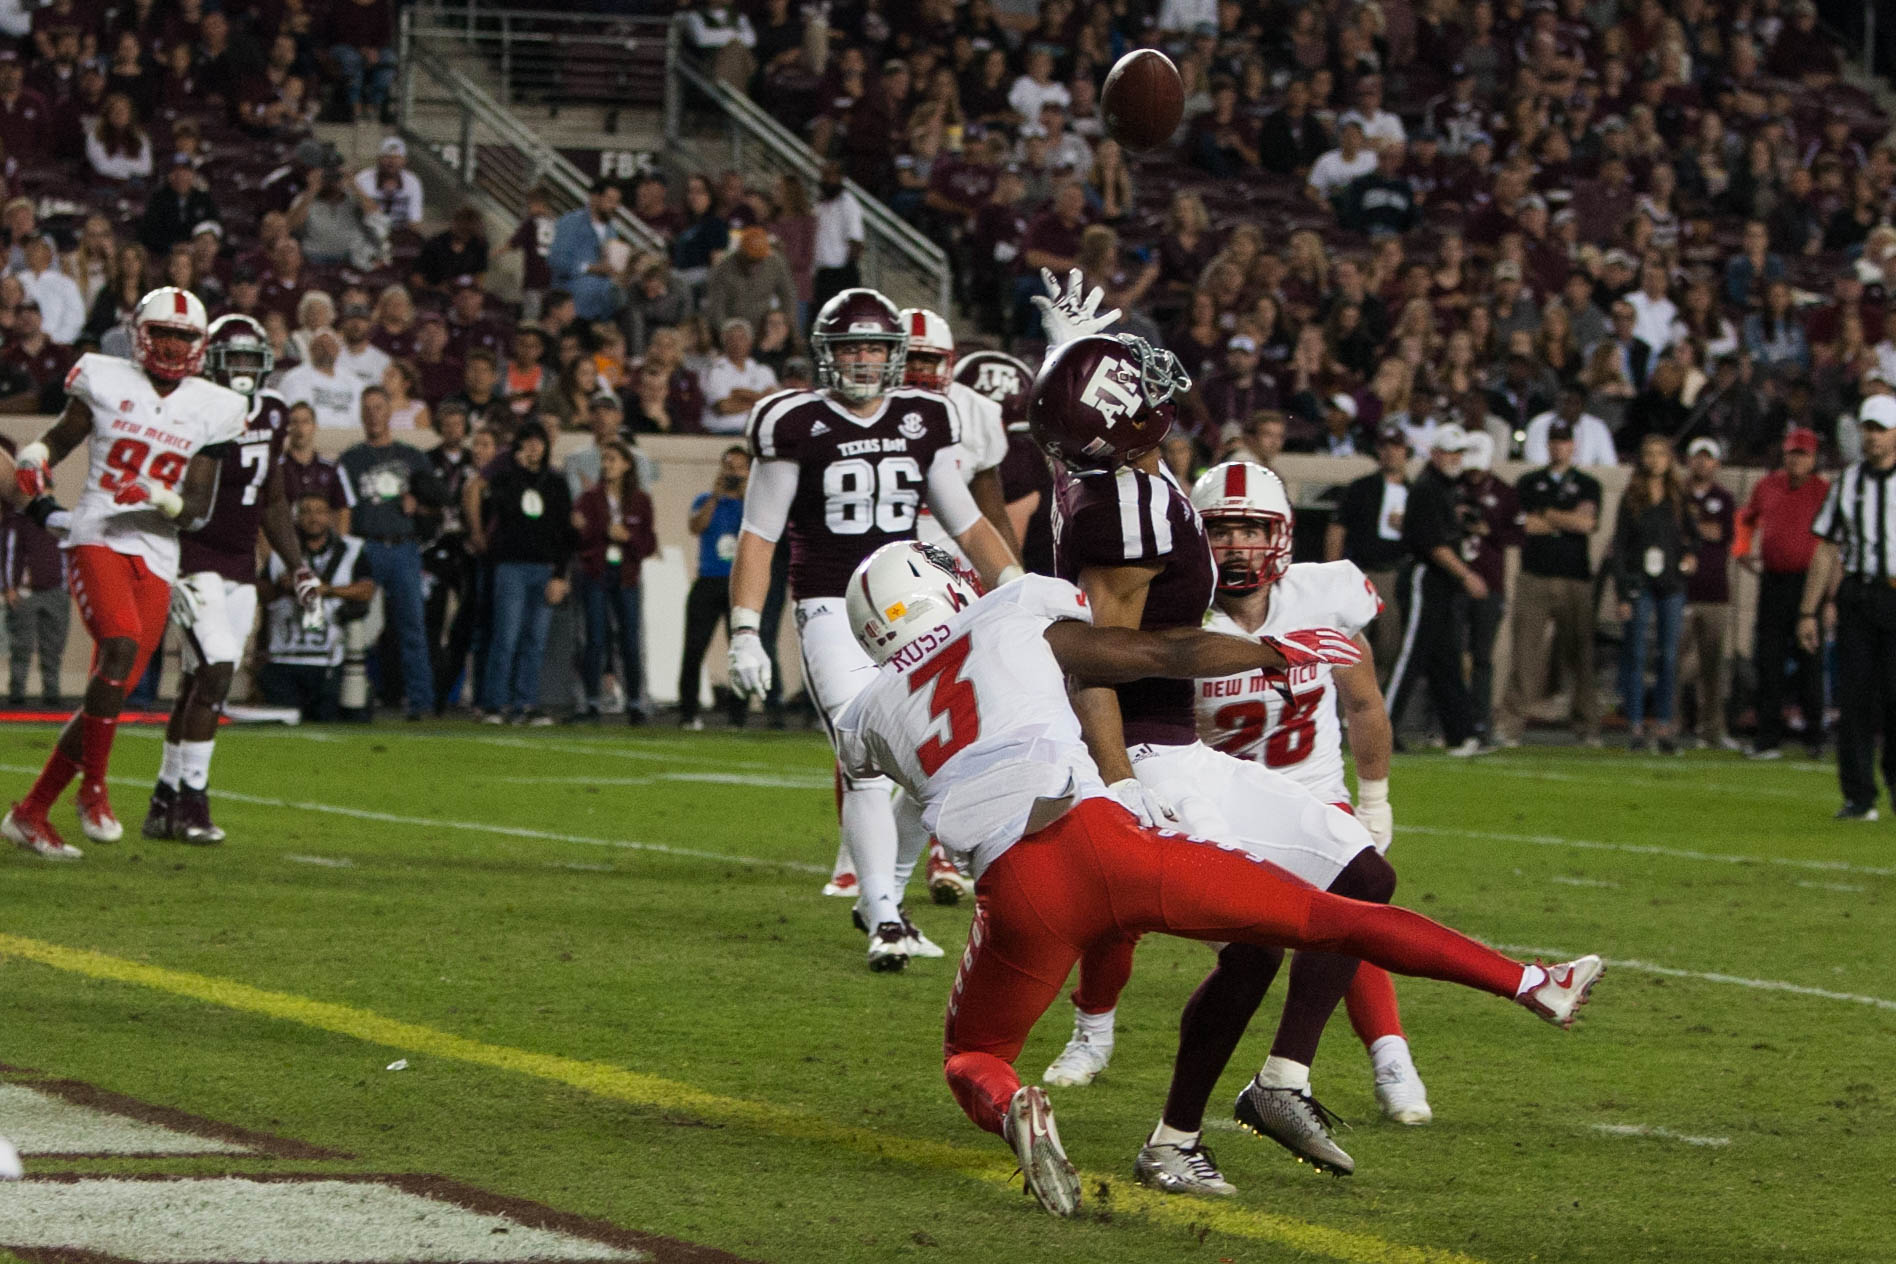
column 929, row 335
column 173, row 310
column 1246, row 492
column 901, row 594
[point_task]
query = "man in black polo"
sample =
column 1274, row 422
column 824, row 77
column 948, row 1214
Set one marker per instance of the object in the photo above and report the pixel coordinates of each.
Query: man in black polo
column 1368, row 531
column 1854, row 568
column 1432, row 530
column 1560, row 510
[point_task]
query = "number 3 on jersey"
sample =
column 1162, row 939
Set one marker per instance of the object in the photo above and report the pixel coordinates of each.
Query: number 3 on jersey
column 125, row 463
column 950, row 696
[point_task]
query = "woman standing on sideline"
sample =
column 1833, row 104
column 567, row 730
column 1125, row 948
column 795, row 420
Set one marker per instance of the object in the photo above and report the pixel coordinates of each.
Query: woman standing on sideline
column 1654, row 552
column 614, row 522
column 528, row 544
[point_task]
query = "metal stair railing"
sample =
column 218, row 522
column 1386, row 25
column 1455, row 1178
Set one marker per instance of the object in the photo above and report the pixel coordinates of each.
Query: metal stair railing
column 445, row 110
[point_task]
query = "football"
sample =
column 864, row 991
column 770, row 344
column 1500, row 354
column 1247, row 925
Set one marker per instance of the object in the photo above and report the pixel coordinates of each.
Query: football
column 1143, row 100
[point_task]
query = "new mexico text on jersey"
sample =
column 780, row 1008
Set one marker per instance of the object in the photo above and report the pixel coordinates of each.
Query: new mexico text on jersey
column 138, row 433
column 1248, row 716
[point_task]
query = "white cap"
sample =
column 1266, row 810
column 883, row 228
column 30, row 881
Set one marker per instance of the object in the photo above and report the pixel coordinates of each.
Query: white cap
column 1705, row 443
column 1344, row 402
column 1450, row 438
column 1477, row 450
column 1878, row 410
column 394, row 145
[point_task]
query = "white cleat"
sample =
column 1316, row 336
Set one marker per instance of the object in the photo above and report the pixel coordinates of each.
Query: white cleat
column 843, row 884
column 1079, row 1063
column 1030, row 1129
column 888, row 948
column 919, row 945
column 1400, row 1093
column 38, row 837
column 1566, row 989
column 1176, row 1169
column 96, row 819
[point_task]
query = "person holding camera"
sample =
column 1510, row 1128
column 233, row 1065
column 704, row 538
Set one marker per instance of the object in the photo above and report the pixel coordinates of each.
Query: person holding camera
column 715, row 518
column 303, row 665
column 331, row 219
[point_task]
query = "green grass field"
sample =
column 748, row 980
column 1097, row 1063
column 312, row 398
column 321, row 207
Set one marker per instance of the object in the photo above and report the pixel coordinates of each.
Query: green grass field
column 618, row 993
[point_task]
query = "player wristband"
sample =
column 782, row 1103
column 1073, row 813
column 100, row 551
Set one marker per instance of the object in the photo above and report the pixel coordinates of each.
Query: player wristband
column 1372, row 791
column 167, row 502
column 34, row 453
column 1008, row 575
column 744, row 619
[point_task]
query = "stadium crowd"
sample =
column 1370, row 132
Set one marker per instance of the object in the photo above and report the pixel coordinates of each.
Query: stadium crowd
column 1631, row 220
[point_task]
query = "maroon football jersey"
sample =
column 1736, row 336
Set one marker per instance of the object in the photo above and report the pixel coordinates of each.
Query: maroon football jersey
column 859, row 479
column 227, row 543
column 1124, row 516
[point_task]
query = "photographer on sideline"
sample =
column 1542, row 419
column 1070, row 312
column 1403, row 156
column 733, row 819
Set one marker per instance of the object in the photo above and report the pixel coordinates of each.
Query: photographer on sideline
column 715, row 518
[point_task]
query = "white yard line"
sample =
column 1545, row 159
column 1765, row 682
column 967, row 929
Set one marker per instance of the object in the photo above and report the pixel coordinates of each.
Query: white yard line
column 1849, row 888
column 327, row 862
column 757, row 780
column 1654, row 1130
column 1648, row 849
column 1692, row 783
column 1705, row 976
column 1592, row 882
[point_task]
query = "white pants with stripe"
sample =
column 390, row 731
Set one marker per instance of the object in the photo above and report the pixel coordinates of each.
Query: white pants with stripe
column 224, row 615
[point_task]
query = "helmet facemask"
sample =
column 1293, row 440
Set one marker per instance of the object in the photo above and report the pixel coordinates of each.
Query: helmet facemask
column 1247, row 564
column 167, row 366
column 242, row 366
column 863, row 380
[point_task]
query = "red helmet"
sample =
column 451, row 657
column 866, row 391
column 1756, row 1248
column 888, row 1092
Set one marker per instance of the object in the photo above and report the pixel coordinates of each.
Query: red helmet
column 1102, row 401
column 1244, row 492
column 1001, row 378
column 857, row 316
column 237, row 354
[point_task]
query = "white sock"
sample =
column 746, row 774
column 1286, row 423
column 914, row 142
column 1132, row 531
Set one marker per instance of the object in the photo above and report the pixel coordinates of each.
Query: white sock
column 1531, row 978
column 194, row 764
column 171, row 765
column 1097, row 1028
column 843, row 863
column 1165, row 1134
column 1389, row 1051
column 869, row 831
column 911, row 838
column 1283, row 1073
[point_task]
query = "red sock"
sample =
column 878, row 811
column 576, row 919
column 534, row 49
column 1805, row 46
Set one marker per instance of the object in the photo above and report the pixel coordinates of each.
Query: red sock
column 1105, row 969
column 1371, row 1002
column 1408, row 943
column 95, row 746
column 984, row 1085
column 51, row 783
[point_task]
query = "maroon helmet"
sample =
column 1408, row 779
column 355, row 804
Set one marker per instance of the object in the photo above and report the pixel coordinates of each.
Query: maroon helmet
column 858, row 316
column 1003, row 379
column 1102, row 401
column 237, row 354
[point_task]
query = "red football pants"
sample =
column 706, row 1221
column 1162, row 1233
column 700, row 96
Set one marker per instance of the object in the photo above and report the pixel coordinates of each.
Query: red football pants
column 1097, row 873
column 119, row 596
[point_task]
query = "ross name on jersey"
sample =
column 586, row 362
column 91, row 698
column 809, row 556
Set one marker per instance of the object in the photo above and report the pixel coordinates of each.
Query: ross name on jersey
column 126, row 426
column 856, row 447
column 920, row 648
column 1258, row 682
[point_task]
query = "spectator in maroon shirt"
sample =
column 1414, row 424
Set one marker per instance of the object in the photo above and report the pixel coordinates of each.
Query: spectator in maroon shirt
column 42, row 360
column 459, row 250
column 1802, row 52
column 1221, row 141
column 468, row 326
column 393, row 327
column 959, row 187
column 533, row 238
column 286, row 280
column 435, row 361
column 38, row 610
column 1053, row 236
column 649, row 206
column 362, row 37
column 25, row 117
column 56, row 77
column 1235, row 391
column 307, row 474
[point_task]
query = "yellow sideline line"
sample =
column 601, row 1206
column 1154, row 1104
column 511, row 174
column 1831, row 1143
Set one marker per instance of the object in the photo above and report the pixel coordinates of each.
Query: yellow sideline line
column 639, row 1089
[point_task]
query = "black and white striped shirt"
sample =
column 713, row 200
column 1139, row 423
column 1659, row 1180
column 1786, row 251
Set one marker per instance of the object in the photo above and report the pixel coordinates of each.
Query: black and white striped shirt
column 1859, row 517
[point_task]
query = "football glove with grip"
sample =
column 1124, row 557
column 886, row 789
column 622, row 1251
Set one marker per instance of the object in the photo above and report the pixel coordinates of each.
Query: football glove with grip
column 186, row 604
column 1143, row 802
column 1372, row 809
column 309, row 595
column 749, row 664
column 1312, row 646
column 138, row 491
column 1071, row 315
column 30, row 474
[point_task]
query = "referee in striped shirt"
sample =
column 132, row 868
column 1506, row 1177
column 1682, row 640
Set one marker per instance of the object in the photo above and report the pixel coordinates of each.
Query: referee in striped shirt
column 1854, row 570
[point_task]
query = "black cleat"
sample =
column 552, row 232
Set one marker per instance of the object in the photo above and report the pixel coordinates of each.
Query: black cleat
column 161, row 816
column 191, row 819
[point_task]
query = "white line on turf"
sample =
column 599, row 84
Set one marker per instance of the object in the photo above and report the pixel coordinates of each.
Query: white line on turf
column 757, row 780
column 1696, row 784
column 1648, row 849
column 1705, row 976
column 327, row 862
column 1654, row 1130
column 1594, row 882
column 1849, row 888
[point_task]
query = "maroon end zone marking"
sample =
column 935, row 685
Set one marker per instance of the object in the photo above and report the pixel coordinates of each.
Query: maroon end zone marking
column 82, row 1094
column 439, row 1189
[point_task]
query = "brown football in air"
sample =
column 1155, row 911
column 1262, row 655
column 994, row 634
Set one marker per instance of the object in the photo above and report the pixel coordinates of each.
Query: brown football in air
column 1143, row 100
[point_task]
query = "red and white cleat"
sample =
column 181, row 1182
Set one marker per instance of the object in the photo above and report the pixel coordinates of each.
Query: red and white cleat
column 946, row 883
column 1566, row 989
column 1029, row 1128
column 96, row 820
column 843, row 883
column 36, row 834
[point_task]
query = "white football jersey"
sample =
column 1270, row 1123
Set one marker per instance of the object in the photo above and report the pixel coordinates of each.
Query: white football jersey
column 973, row 720
column 984, row 443
column 138, row 433
column 1247, row 716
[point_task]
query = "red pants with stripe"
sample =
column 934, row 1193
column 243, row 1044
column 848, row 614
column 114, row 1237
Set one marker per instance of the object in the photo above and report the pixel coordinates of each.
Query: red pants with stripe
column 1097, row 873
column 119, row 596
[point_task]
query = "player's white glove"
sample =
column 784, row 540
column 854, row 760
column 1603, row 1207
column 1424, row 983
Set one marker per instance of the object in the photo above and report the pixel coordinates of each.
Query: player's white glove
column 30, row 474
column 141, row 491
column 309, row 595
column 1311, row 646
column 1070, row 315
column 1140, row 800
column 749, row 664
column 1372, row 809
column 186, row 604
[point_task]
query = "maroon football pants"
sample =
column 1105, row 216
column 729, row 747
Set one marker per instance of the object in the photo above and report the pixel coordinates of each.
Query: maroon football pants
column 1097, row 873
